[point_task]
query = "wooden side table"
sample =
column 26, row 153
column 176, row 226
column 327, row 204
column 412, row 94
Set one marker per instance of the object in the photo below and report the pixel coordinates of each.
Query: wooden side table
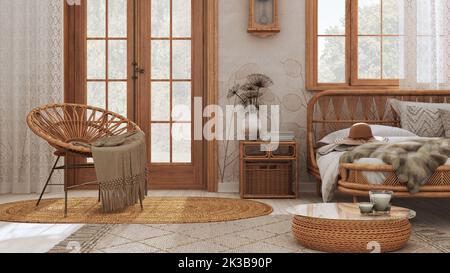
column 268, row 174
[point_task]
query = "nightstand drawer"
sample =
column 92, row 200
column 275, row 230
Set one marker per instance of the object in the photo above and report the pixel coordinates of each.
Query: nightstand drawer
column 267, row 178
column 254, row 151
column 284, row 151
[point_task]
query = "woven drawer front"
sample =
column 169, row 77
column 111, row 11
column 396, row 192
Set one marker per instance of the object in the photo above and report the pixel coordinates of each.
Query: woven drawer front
column 255, row 150
column 268, row 178
column 284, row 151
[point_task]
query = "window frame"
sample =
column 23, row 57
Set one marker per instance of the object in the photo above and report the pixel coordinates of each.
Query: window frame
column 351, row 52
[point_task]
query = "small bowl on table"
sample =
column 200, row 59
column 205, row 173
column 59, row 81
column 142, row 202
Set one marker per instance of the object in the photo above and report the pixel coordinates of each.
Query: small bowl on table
column 366, row 208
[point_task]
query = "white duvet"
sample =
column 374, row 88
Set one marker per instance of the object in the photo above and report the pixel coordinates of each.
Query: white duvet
column 329, row 170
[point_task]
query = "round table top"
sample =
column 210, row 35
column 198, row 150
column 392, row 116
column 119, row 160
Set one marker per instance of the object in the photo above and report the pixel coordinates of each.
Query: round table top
column 346, row 211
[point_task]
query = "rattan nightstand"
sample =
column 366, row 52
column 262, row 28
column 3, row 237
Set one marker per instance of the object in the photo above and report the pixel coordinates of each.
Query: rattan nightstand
column 268, row 174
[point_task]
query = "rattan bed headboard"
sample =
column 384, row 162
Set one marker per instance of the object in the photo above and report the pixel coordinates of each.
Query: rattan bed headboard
column 332, row 110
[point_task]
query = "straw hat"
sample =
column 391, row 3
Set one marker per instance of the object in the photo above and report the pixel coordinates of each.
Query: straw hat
column 360, row 133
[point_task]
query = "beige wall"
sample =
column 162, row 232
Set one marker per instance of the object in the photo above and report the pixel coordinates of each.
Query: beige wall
column 281, row 57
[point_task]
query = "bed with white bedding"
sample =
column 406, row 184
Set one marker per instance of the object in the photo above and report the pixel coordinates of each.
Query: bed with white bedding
column 329, row 169
column 330, row 111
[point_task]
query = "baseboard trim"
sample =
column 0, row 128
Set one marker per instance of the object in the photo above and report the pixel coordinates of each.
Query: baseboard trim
column 230, row 187
column 233, row 187
column 308, row 187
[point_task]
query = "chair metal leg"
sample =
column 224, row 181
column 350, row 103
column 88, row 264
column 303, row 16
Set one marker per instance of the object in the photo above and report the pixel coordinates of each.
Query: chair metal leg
column 147, row 174
column 140, row 200
column 48, row 181
column 65, row 202
column 146, row 188
column 99, row 194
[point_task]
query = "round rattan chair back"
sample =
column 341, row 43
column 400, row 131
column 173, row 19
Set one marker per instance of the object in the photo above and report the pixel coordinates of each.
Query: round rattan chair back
column 62, row 125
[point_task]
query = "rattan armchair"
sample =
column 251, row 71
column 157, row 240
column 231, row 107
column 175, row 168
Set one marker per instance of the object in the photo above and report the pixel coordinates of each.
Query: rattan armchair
column 65, row 125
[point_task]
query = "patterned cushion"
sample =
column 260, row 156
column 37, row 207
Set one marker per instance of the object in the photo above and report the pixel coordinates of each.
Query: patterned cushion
column 407, row 117
column 445, row 117
column 423, row 122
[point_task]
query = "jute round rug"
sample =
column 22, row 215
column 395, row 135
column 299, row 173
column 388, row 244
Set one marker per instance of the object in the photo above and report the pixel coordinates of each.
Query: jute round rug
column 157, row 210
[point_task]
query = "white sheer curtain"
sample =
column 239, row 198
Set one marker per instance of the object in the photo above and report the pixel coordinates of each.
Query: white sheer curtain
column 31, row 74
column 426, row 49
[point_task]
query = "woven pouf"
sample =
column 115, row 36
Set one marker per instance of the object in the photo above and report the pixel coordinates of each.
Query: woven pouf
column 350, row 236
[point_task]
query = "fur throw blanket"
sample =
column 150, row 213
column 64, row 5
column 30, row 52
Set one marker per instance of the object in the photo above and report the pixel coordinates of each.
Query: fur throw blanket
column 414, row 161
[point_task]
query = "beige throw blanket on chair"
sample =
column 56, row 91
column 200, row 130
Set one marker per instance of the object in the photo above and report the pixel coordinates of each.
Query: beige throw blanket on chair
column 120, row 164
column 414, row 161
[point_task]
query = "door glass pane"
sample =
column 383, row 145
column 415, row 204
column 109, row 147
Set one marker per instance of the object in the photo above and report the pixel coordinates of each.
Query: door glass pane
column 160, row 104
column 181, row 110
column 369, row 57
column 331, row 17
column 117, row 18
column 182, row 59
column 96, row 94
column 369, row 17
column 160, row 59
column 182, row 18
column 181, row 141
column 117, row 98
column 331, row 53
column 160, row 18
column 117, row 63
column 160, row 143
column 96, row 18
column 96, row 60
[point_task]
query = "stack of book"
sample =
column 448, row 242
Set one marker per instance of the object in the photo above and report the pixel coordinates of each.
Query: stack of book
column 282, row 136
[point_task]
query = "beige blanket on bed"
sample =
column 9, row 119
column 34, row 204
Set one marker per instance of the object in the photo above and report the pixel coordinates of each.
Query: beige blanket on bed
column 120, row 164
column 414, row 161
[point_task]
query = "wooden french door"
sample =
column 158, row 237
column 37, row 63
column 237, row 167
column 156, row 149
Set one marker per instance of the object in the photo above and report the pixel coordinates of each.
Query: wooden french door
column 142, row 59
column 171, row 56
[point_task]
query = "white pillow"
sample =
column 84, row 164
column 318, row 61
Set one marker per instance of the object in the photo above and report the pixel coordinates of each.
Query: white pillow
column 377, row 130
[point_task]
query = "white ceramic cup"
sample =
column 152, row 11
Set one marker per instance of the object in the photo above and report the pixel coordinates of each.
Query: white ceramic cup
column 381, row 201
